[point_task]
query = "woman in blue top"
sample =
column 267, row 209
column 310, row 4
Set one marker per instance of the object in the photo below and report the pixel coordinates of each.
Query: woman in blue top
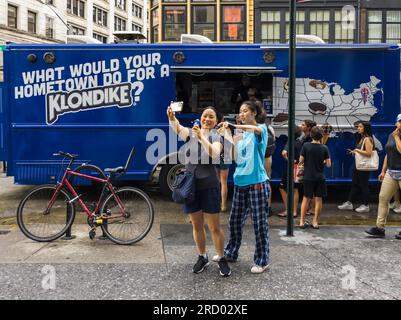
column 250, row 185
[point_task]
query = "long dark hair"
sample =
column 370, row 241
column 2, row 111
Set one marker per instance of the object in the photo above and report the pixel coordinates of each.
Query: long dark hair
column 256, row 106
column 367, row 132
column 309, row 125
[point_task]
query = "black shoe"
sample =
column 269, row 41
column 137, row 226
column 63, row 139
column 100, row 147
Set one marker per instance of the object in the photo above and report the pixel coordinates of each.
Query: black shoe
column 225, row 270
column 200, row 265
column 376, row 232
column 398, row 236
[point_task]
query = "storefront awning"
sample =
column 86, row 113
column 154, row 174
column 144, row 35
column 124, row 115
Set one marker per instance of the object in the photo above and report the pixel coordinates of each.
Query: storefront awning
column 223, row 69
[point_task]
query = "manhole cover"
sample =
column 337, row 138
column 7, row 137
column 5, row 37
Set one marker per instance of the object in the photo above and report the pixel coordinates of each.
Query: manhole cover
column 3, row 232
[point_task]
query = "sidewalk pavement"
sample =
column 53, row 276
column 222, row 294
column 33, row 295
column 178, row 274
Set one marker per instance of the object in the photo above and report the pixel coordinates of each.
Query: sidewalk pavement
column 330, row 263
column 334, row 262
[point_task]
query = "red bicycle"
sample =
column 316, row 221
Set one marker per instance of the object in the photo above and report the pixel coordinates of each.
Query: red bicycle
column 125, row 215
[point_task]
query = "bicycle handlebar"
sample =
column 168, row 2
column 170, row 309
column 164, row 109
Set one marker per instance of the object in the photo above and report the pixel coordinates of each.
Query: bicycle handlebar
column 65, row 154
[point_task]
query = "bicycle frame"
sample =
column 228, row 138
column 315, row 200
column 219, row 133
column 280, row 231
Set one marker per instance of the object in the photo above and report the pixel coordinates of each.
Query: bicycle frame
column 106, row 184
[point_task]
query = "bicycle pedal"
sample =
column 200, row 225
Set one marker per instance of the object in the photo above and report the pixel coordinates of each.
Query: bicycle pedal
column 92, row 234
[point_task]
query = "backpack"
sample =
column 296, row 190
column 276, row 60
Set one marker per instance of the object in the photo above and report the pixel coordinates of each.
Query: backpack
column 271, row 142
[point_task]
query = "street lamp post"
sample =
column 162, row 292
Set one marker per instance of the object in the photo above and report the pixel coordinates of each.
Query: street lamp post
column 291, row 117
column 291, row 122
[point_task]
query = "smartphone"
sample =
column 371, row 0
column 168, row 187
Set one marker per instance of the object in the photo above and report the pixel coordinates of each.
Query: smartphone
column 176, row 106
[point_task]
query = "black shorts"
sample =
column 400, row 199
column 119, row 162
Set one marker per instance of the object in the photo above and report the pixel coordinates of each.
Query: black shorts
column 314, row 189
column 283, row 183
column 206, row 200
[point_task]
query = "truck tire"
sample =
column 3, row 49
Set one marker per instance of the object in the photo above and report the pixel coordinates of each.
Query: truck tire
column 167, row 176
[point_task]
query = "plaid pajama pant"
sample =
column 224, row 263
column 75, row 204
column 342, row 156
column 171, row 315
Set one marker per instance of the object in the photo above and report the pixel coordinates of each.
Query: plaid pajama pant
column 250, row 199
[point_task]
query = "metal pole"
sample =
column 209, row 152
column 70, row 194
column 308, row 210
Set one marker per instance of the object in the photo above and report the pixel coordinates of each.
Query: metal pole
column 68, row 235
column 359, row 22
column 291, row 122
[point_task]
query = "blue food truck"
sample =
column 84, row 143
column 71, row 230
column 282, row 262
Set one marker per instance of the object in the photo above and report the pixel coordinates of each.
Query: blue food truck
column 100, row 100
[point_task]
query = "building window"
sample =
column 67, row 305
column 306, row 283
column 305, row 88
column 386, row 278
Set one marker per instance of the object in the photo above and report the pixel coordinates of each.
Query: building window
column 76, row 7
column 203, row 0
column 73, row 30
column 203, row 21
column 342, row 33
column 320, row 24
column 375, row 26
column 50, row 2
column 12, row 16
column 100, row 16
column 137, row 11
column 100, row 37
column 120, row 24
column 300, row 27
column 49, row 27
column 174, row 18
column 121, row 4
column 393, row 26
column 135, row 27
column 167, row 1
column 155, row 3
column 155, row 26
column 31, row 22
column 233, row 23
column 270, row 23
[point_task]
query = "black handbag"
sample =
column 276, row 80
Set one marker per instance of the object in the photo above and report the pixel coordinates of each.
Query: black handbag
column 184, row 187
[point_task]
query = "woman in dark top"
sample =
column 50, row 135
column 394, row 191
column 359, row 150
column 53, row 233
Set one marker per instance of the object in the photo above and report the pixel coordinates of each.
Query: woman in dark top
column 360, row 179
column 203, row 145
column 391, row 180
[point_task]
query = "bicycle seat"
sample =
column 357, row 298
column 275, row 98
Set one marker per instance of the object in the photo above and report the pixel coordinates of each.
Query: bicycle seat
column 114, row 170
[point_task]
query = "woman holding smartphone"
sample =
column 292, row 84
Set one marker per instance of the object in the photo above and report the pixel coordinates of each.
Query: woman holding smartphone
column 360, row 179
column 250, row 185
column 203, row 143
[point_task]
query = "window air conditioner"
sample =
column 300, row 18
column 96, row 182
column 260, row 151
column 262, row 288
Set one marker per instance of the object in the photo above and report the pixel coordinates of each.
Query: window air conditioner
column 194, row 38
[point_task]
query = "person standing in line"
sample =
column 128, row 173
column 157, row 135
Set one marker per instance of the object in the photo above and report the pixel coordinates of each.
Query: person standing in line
column 203, row 142
column 360, row 179
column 250, row 186
column 240, row 94
column 283, row 184
column 315, row 157
column 390, row 177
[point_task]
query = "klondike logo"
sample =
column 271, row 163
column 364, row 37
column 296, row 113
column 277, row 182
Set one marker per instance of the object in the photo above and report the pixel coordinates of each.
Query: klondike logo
column 60, row 103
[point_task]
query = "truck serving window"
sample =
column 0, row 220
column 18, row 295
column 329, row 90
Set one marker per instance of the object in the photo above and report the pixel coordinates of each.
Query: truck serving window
column 224, row 91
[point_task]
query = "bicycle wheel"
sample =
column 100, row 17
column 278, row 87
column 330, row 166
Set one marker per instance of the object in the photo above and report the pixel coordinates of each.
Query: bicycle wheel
column 137, row 221
column 40, row 224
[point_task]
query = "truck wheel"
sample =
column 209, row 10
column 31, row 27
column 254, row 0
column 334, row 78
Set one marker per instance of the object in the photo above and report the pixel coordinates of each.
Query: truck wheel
column 167, row 176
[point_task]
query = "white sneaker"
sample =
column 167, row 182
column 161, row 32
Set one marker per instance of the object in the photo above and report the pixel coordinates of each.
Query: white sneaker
column 346, row 206
column 397, row 209
column 259, row 269
column 362, row 208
